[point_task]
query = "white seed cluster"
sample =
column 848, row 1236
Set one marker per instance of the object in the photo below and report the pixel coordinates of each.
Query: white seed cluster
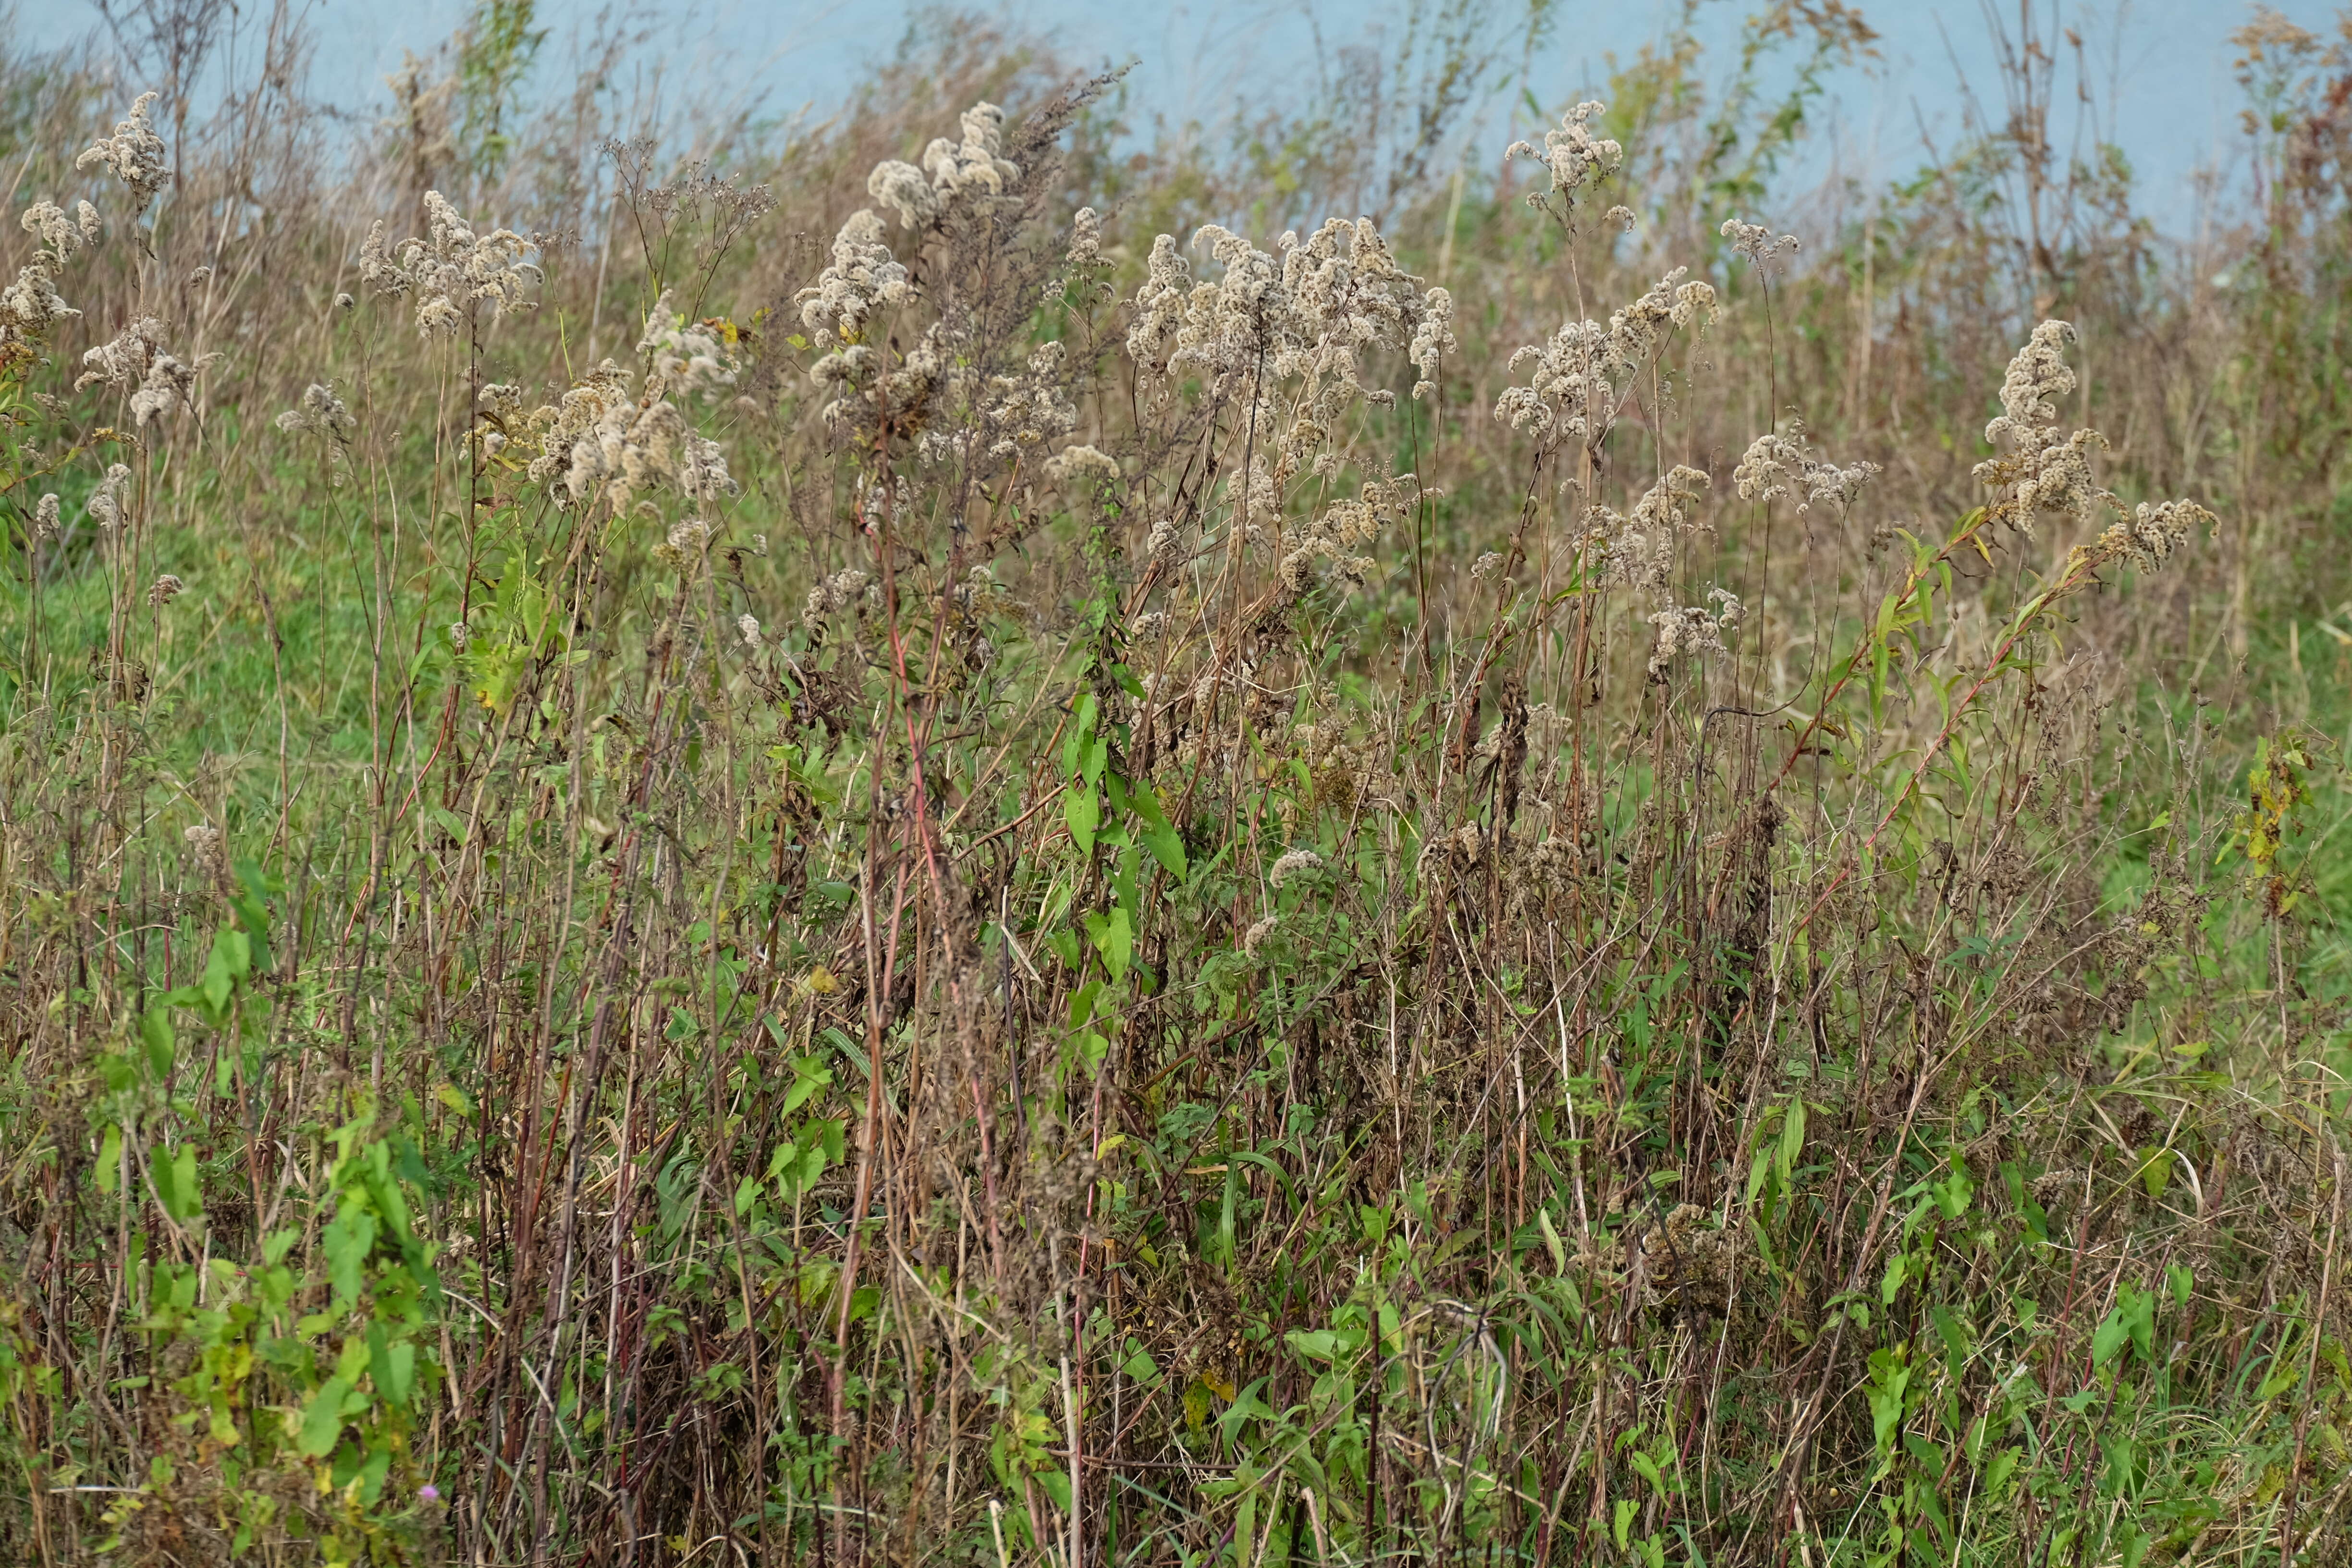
column 136, row 361
column 832, row 595
column 965, row 172
column 1692, row 629
column 452, row 270
column 603, row 439
column 1582, row 375
column 1575, row 157
column 1080, row 465
column 134, row 154
column 1294, row 863
column 62, row 235
column 320, row 413
column 1777, row 465
column 2153, row 531
column 1638, row 551
column 105, row 508
column 1756, row 242
column 685, row 357
column 1311, row 315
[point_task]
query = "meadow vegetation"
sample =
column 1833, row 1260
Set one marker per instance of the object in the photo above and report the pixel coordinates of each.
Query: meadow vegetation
column 988, row 834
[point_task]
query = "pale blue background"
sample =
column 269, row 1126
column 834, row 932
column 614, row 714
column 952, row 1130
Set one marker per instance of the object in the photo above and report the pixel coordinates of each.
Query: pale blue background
column 2162, row 67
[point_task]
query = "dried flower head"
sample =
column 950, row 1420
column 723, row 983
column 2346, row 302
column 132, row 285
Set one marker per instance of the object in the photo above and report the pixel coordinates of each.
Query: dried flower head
column 1575, row 390
column 1573, row 154
column 30, row 307
column 1254, row 938
column 45, row 517
column 320, row 413
column 1082, row 465
column 105, row 507
column 1775, row 465
column 682, row 356
column 136, row 361
column 862, row 278
column 1294, row 863
column 60, row 234
column 1691, row 629
column 452, row 270
column 749, row 626
column 165, row 589
column 833, row 595
column 2045, row 470
column 2153, row 531
column 1756, row 242
column 134, row 155
column 1086, row 239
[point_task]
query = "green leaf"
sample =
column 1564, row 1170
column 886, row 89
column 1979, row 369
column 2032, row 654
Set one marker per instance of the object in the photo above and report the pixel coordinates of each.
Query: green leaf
column 323, row 1419
column 394, row 1366
column 809, row 1076
column 1166, row 847
column 1793, row 1138
column 1083, row 811
column 1929, row 1455
column 110, row 1160
column 175, row 1183
column 2109, row 1338
column 155, row 1029
column 2136, row 1307
column 1114, row 937
column 348, row 1239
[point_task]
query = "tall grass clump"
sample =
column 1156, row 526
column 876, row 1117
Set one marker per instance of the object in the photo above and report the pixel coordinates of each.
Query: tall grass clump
column 814, row 852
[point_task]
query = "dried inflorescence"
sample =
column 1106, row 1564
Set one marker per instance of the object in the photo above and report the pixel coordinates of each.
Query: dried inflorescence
column 955, row 174
column 105, row 508
column 452, row 270
column 1081, row 465
column 165, row 589
column 1776, row 467
column 836, row 594
column 2153, row 531
column 1693, row 629
column 1293, row 864
column 1575, row 157
column 2046, row 470
column 1639, row 552
column 1579, row 375
column 62, row 235
column 29, row 307
column 1756, row 242
column 320, row 413
column 1310, row 316
column 136, row 361
column 600, row 439
column 1338, row 534
column 685, row 357
column 862, row 278
column 2050, row 471
column 134, row 155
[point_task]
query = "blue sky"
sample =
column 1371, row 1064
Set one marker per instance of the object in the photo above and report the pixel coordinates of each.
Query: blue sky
column 2162, row 67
